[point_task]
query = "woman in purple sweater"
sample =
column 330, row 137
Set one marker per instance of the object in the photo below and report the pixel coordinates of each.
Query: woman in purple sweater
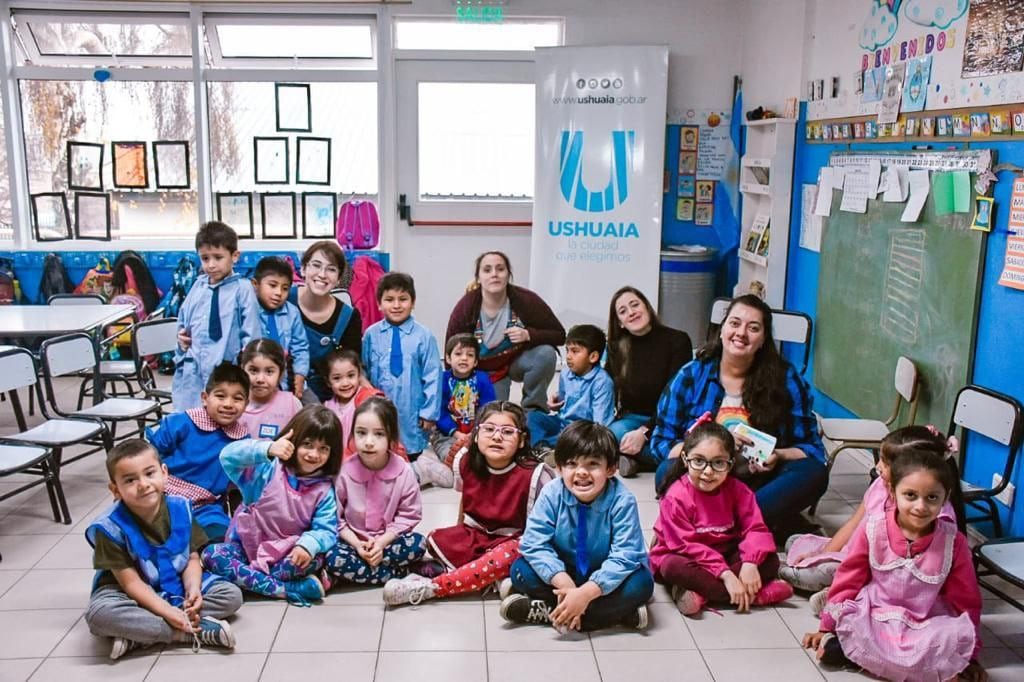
column 517, row 331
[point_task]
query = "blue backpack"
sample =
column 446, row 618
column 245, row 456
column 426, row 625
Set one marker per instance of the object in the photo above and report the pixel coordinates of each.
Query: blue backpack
column 185, row 274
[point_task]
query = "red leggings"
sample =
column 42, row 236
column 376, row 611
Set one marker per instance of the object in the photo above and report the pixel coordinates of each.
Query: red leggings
column 492, row 566
column 689, row 575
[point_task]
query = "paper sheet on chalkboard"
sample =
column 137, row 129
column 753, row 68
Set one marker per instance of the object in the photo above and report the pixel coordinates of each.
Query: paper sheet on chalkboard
column 874, row 174
column 897, row 184
column 810, row 224
column 856, row 190
column 918, row 182
column 961, row 192
column 942, row 193
column 823, row 204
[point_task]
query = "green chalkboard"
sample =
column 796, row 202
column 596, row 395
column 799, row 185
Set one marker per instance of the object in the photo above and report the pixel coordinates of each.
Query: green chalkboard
column 888, row 288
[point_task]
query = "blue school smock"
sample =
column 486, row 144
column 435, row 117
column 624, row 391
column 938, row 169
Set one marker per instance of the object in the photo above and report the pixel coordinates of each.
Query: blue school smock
column 291, row 334
column 322, row 344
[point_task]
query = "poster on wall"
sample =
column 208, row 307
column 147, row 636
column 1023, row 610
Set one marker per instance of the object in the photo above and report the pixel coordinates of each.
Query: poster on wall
column 995, row 38
column 85, row 166
column 712, row 142
column 171, row 164
column 50, row 217
column 235, row 209
column 318, row 212
column 293, row 105
column 915, row 87
column 1013, row 264
column 599, row 160
column 278, row 209
column 892, row 92
column 313, row 161
column 271, row 160
column 130, row 168
column 92, row 216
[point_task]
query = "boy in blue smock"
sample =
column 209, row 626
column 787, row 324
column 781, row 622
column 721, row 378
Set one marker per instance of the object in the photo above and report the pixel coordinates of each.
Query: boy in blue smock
column 585, row 390
column 218, row 317
column 584, row 563
column 402, row 359
column 149, row 585
column 190, row 443
column 280, row 319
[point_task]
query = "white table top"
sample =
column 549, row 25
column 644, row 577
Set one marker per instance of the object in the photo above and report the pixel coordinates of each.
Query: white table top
column 46, row 320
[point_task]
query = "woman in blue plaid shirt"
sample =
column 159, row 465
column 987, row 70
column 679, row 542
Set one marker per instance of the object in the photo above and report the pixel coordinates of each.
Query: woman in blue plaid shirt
column 740, row 377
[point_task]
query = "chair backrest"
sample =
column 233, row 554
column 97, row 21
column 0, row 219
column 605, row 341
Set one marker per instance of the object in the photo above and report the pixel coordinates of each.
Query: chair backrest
column 993, row 415
column 342, row 295
column 153, row 337
column 69, row 354
column 75, row 299
column 788, row 326
column 906, row 378
column 17, row 369
column 718, row 309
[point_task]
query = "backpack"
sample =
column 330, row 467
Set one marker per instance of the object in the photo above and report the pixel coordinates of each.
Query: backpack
column 366, row 272
column 97, row 280
column 8, row 288
column 185, row 274
column 131, row 275
column 55, row 279
column 358, row 225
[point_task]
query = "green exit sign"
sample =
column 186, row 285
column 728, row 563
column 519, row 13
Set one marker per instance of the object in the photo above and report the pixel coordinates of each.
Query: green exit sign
column 483, row 14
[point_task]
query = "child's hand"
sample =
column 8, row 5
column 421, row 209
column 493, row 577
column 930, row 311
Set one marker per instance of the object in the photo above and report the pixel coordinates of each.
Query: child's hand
column 974, row 673
column 193, row 604
column 184, row 340
column 812, row 640
column 300, row 386
column 737, row 592
column 299, row 557
column 517, row 335
column 427, row 424
column 555, row 403
column 375, row 551
column 572, row 604
column 282, row 448
column 751, row 579
column 365, row 550
column 757, row 466
column 178, row 619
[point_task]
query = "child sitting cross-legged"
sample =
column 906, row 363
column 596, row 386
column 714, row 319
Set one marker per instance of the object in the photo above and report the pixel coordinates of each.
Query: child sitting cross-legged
column 584, row 564
column 289, row 517
column 378, row 503
column 150, row 586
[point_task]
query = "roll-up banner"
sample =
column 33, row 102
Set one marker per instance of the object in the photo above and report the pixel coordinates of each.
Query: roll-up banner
column 599, row 180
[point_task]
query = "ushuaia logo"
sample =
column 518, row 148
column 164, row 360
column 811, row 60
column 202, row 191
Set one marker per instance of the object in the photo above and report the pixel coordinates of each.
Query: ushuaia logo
column 571, row 180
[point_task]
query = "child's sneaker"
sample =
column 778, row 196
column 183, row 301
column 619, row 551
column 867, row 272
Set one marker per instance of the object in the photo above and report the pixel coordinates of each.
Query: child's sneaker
column 412, row 589
column 519, row 608
column 214, row 632
column 639, row 619
column 629, row 467
column 773, row 593
column 689, row 602
column 304, row 591
column 810, row 578
column 505, row 588
column 122, row 646
column 818, row 601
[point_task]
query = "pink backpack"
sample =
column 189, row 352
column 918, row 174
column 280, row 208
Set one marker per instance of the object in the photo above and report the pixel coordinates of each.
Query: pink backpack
column 366, row 272
column 358, row 225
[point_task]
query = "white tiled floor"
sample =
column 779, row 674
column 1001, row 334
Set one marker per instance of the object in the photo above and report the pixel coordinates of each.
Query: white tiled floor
column 44, row 585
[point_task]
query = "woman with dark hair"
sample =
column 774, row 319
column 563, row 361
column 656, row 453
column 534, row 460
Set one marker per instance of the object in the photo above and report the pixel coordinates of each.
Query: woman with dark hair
column 517, row 331
column 740, row 377
column 329, row 322
column 642, row 355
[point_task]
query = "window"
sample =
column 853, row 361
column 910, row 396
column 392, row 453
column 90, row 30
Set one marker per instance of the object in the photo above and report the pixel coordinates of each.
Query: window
column 447, row 34
column 476, row 140
column 6, row 220
column 92, row 116
column 317, row 41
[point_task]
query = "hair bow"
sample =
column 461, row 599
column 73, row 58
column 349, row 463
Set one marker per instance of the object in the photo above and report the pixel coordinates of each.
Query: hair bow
column 704, row 418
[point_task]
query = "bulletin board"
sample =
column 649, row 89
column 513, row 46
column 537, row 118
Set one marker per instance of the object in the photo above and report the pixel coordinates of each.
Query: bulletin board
column 889, row 288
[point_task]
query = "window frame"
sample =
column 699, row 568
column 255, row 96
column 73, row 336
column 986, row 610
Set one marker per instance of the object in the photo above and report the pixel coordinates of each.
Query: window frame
column 454, row 52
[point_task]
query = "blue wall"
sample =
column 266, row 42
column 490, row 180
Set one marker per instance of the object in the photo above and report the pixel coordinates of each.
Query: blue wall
column 1000, row 329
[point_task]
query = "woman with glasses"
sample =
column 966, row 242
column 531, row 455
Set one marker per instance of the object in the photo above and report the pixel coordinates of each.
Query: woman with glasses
column 740, row 378
column 329, row 322
column 518, row 332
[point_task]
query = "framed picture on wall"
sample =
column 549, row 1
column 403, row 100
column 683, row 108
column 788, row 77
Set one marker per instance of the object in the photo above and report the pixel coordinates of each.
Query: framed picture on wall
column 235, row 209
column 278, row 209
column 85, row 166
column 319, row 211
column 313, row 160
column 50, row 216
column 294, row 107
column 271, row 160
column 131, row 171
column 171, row 164
column 92, row 216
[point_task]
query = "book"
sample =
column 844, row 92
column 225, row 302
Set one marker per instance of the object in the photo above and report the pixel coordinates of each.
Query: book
column 762, row 446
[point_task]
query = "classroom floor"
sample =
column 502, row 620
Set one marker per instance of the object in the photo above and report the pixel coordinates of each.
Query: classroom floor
column 44, row 587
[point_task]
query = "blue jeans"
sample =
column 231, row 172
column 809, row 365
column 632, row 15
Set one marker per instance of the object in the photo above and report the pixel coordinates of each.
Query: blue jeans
column 606, row 611
column 535, row 368
column 630, row 422
column 544, row 428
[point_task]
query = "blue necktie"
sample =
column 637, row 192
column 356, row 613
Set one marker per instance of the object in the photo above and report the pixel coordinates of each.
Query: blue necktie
column 272, row 332
column 215, row 330
column 582, row 555
column 396, row 351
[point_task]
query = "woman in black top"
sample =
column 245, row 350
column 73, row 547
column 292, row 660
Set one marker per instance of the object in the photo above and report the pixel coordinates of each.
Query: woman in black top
column 643, row 356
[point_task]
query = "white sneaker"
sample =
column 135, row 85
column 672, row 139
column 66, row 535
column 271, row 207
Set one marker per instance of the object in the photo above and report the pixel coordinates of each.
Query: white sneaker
column 818, row 602
column 412, row 589
column 505, row 588
column 122, row 646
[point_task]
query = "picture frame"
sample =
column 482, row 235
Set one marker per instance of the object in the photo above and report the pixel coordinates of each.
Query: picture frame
column 92, row 216
column 277, row 212
column 313, row 160
column 270, row 160
column 85, row 166
column 983, row 208
column 172, row 168
column 235, row 209
column 130, row 165
column 319, row 213
column 51, row 220
column 293, row 107
column 705, row 191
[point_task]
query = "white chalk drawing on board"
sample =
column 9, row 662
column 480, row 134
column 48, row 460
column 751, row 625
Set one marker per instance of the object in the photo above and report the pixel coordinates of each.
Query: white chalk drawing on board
column 904, row 275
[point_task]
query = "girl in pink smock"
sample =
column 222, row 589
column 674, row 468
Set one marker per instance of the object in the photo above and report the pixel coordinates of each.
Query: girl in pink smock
column 379, row 503
column 289, row 517
column 710, row 540
column 905, row 603
column 269, row 407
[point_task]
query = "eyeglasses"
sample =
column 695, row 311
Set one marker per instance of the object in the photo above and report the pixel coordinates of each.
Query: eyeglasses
column 490, row 430
column 700, row 464
column 320, row 266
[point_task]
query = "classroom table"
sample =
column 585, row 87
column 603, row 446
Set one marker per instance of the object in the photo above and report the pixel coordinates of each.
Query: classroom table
column 47, row 320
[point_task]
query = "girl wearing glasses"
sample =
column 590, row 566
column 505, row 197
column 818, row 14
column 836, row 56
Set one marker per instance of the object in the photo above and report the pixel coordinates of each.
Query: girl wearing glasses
column 499, row 480
column 710, row 542
column 329, row 322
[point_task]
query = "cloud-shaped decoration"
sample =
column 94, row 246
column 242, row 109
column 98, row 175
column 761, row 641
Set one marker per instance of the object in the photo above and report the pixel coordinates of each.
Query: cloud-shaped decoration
column 938, row 13
column 879, row 27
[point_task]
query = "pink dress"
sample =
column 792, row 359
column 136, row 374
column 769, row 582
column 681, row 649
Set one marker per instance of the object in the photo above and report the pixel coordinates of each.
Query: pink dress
column 264, row 421
column 906, row 610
